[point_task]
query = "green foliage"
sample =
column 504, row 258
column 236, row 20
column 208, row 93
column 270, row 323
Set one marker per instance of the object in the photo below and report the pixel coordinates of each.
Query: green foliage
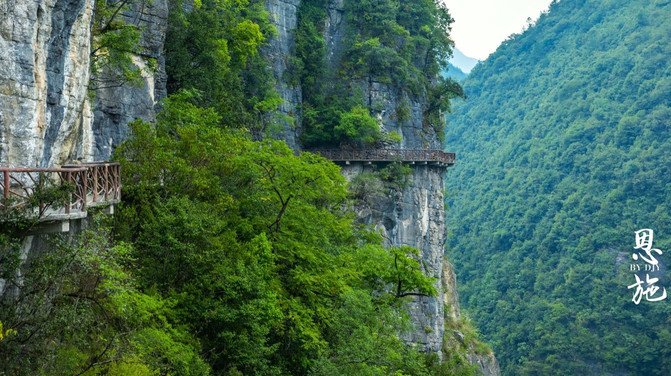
column 392, row 138
column 396, row 174
column 371, row 185
column 564, row 150
column 358, row 125
column 6, row 332
column 114, row 44
column 76, row 309
column 402, row 44
column 213, row 48
column 20, row 214
column 255, row 247
column 366, row 186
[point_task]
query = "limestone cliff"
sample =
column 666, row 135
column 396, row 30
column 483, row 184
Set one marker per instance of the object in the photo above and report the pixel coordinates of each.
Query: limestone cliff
column 44, row 75
column 284, row 16
column 46, row 116
column 415, row 217
column 117, row 105
column 412, row 216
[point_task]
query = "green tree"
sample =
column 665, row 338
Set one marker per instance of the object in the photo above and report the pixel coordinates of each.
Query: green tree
column 358, row 126
column 213, row 48
column 402, row 44
column 257, row 250
column 114, row 44
column 77, row 309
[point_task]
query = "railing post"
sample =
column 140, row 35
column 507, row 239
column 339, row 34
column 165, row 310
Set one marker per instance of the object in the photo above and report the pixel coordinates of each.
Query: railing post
column 40, row 179
column 69, row 180
column 106, row 181
column 6, row 178
column 118, row 185
column 84, row 188
column 95, row 183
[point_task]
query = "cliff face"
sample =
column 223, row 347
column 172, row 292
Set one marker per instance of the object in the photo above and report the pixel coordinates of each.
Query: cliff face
column 284, row 16
column 44, row 73
column 46, row 117
column 116, row 106
column 413, row 216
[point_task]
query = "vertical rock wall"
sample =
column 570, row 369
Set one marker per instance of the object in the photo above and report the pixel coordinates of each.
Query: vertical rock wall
column 284, row 16
column 46, row 118
column 44, row 75
column 414, row 217
column 116, row 106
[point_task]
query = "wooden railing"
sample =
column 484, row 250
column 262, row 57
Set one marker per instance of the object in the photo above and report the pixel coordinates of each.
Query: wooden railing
column 103, row 182
column 388, row 155
column 90, row 184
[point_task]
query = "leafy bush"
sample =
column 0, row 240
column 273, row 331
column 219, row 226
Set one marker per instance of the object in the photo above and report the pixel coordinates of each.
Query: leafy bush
column 358, row 126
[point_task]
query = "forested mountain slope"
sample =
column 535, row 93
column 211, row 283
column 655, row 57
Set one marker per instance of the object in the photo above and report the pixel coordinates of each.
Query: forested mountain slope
column 564, row 152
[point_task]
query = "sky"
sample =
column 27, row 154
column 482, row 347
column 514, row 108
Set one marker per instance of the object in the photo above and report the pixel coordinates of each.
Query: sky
column 481, row 25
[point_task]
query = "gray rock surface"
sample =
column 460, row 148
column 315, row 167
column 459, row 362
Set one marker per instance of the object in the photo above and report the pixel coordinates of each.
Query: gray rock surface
column 46, row 118
column 487, row 364
column 116, row 106
column 44, row 75
column 450, row 294
column 415, row 217
column 284, row 16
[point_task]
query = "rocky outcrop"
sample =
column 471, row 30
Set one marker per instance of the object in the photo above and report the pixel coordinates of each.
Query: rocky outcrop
column 284, row 16
column 44, row 75
column 46, row 117
column 487, row 363
column 450, row 294
column 115, row 105
column 414, row 217
column 456, row 340
column 385, row 100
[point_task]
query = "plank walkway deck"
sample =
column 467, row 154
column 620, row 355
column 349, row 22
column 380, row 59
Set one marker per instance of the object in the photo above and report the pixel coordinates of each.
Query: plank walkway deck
column 410, row 156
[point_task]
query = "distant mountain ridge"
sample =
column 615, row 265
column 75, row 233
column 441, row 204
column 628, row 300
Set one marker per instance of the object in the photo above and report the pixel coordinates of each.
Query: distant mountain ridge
column 463, row 62
column 564, row 151
column 454, row 73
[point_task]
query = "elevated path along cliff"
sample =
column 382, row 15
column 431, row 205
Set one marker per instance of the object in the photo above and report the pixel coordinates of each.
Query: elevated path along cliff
column 85, row 185
column 410, row 156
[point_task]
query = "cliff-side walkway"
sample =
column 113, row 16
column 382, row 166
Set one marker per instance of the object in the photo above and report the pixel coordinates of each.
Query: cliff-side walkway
column 90, row 184
column 410, row 156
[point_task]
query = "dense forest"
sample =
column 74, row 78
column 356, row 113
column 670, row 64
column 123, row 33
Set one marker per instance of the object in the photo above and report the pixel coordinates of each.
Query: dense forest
column 230, row 254
column 564, row 148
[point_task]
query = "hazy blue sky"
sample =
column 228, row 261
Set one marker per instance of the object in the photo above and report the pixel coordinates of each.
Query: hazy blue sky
column 481, row 25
